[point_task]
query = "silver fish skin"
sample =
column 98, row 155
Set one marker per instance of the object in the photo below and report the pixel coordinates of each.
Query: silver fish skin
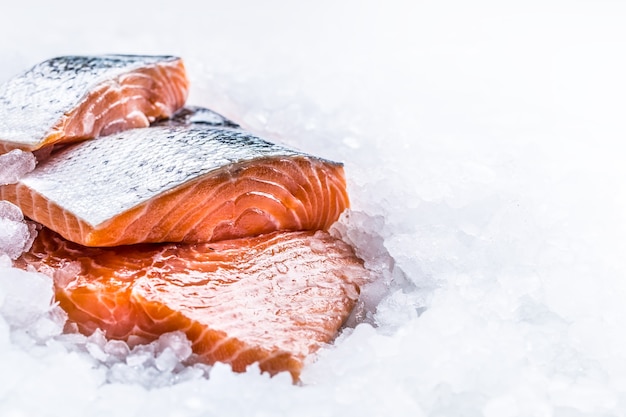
column 101, row 178
column 32, row 102
column 197, row 115
column 187, row 183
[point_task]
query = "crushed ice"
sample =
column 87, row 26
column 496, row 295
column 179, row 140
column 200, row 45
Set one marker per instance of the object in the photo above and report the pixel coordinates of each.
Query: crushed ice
column 163, row 362
column 16, row 233
column 14, row 165
column 364, row 232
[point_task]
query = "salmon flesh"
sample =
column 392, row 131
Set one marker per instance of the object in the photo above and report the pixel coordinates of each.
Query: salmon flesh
column 272, row 299
column 72, row 98
column 179, row 182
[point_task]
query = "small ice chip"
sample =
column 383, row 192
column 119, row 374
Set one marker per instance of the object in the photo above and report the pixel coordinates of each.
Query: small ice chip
column 96, row 351
column 166, row 361
column 14, row 165
column 177, row 343
column 27, row 296
column 16, row 234
column 5, row 260
column 137, row 358
column 117, row 349
column 11, row 212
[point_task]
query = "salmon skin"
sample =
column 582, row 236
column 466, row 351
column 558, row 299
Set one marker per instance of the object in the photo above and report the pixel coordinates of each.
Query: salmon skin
column 197, row 115
column 181, row 182
column 273, row 299
column 72, row 98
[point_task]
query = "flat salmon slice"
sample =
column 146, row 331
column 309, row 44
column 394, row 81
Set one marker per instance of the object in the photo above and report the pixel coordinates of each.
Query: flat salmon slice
column 179, row 182
column 71, row 98
column 272, row 299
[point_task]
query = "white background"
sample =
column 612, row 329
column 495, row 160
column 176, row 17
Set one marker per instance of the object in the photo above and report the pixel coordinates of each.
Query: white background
column 483, row 143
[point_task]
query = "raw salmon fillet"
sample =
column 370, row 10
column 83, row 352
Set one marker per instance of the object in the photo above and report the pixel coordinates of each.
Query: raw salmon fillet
column 179, row 182
column 272, row 299
column 71, row 98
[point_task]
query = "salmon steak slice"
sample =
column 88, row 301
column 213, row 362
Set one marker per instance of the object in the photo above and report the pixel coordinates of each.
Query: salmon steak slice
column 179, row 182
column 273, row 299
column 71, row 98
